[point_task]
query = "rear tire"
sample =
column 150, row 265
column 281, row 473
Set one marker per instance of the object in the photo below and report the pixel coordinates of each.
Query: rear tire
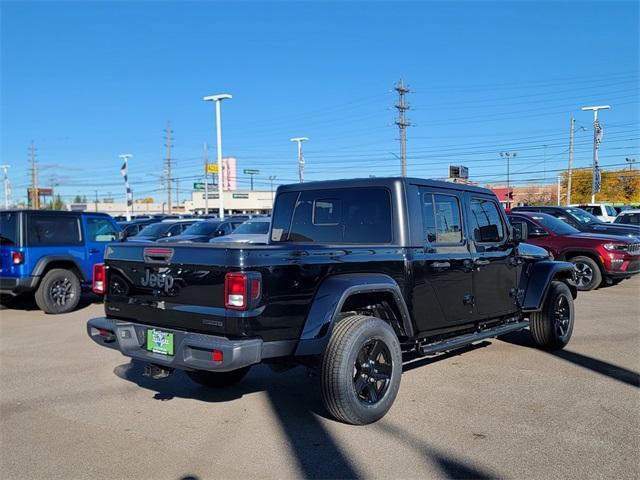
column 58, row 292
column 217, row 379
column 551, row 328
column 361, row 370
column 588, row 274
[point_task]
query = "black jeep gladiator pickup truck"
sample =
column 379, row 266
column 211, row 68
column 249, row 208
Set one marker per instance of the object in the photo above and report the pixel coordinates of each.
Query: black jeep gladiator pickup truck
column 356, row 272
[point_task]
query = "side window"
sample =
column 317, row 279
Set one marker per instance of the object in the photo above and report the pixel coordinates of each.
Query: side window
column 100, row 230
column 174, row 230
column 225, row 228
column 448, row 224
column 52, row 230
column 235, row 225
column 441, row 218
column 611, row 211
column 486, row 222
column 428, row 216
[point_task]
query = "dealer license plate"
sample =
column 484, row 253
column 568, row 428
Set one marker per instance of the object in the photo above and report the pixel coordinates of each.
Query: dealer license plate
column 159, row 341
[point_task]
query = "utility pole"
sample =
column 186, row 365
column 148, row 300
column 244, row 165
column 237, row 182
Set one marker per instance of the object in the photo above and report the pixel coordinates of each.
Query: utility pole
column 508, row 156
column 35, row 191
column 205, row 156
column 168, row 138
column 96, row 203
column 402, row 124
column 597, row 138
column 300, row 157
column 629, row 160
column 271, row 179
column 177, row 180
column 544, row 165
column 559, row 180
column 218, row 99
column 572, row 131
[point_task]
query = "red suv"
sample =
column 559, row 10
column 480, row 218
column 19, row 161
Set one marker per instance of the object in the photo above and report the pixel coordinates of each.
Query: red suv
column 597, row 257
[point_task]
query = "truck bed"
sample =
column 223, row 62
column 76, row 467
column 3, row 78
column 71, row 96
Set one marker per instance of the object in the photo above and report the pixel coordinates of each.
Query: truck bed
column 184, row 289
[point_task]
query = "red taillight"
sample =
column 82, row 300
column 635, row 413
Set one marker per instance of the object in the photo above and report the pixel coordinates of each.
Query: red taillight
column 99, row 279
column 217, row 355
column 235, row 291
column 17, row 258
column 241, row 290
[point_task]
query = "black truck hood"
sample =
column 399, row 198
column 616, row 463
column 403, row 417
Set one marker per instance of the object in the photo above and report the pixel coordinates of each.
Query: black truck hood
column 613, row 229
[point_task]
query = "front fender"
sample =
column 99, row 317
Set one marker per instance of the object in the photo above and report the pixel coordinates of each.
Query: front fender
column 536, row 279
column 328, row 301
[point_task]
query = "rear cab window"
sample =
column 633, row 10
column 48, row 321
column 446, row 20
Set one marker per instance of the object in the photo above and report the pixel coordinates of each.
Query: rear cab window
column 334, row 216
column 52, row 229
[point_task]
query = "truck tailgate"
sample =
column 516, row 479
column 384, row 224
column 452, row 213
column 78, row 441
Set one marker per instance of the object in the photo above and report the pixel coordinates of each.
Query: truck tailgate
column 178, row 287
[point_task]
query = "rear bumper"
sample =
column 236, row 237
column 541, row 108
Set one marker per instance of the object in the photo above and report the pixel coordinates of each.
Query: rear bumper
column 192, row 351
column 16, row 285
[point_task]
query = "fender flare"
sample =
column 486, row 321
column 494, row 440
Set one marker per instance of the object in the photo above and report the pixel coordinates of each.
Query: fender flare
column 45, row 260
column 537, row 278
column 329, row 299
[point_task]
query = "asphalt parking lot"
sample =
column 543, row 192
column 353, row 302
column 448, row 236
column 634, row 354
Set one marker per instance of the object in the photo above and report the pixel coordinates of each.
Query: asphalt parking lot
column 502, row 409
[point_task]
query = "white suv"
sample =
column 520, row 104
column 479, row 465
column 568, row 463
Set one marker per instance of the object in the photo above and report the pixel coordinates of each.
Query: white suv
column 606, row 213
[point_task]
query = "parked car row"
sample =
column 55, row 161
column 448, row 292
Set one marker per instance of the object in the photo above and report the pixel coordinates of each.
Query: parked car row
column 604, row 212
column 603, row 253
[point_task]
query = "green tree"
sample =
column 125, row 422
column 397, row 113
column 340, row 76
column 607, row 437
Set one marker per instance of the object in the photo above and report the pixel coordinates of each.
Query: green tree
column 58, row 204
column 77, row 199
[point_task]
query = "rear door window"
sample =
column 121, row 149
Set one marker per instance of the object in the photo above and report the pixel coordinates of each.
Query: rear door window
column 339, row 216
column 50, row 230
column 8, row 228
column 441, row 218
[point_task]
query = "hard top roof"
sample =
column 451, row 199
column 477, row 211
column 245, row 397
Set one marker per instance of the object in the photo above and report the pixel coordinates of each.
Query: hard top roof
column 388, row 182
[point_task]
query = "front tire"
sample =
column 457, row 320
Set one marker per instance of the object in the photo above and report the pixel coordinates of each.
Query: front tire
column 588, row 274
column 551, row 328
column 217, row 379
column 361, row 370
column 58, row 292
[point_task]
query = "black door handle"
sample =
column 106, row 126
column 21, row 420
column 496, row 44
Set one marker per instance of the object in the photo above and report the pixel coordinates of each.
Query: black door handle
column 441, row 265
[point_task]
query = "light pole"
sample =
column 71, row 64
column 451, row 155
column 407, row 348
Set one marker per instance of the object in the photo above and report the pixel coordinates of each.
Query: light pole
column 508, row 156
column 299, row 140
column 630, row 161
column 218, row 99
column 7, row 187
column 271, row 179
column 597, row 138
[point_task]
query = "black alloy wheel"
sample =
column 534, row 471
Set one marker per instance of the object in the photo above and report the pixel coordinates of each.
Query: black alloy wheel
column 372, row 371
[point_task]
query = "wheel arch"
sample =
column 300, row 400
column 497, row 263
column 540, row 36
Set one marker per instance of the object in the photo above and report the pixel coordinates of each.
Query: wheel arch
column 352, row 292
column 537, row 278
column 49, row 262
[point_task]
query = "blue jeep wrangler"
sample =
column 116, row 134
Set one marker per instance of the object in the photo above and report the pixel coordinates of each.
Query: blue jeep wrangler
column 51, row 254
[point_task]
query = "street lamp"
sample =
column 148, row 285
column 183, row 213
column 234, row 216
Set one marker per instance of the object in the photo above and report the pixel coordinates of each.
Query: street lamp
column 300, row 156
column 271, row 179
column 218, row 98
column 630, row 161
column 508, row 156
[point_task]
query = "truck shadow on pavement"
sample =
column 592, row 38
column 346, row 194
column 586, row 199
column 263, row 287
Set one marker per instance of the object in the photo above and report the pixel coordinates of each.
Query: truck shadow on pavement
column 621, row 374
column 27, row 303
column 296, row 403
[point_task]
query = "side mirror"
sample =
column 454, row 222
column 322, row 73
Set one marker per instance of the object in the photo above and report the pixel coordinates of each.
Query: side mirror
column 519, row 231
column 122, row 236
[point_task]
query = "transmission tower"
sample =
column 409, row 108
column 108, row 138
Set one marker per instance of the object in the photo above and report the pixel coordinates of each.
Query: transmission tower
column 35, row 193
column 168, row 162
column 402, row 124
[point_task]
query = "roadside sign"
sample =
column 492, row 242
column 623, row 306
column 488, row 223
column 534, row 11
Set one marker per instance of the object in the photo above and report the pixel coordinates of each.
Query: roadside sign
column 199, row 186
column 248, row 171
column 212, row 168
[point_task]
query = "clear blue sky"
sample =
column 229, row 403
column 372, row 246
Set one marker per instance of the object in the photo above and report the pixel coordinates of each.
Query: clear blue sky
column 88, row 81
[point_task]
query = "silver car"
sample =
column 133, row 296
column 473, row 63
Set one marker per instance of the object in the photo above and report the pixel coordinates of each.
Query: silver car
column 255, row 230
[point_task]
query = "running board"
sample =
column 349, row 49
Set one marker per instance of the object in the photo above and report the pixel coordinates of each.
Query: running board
column 463, row 340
